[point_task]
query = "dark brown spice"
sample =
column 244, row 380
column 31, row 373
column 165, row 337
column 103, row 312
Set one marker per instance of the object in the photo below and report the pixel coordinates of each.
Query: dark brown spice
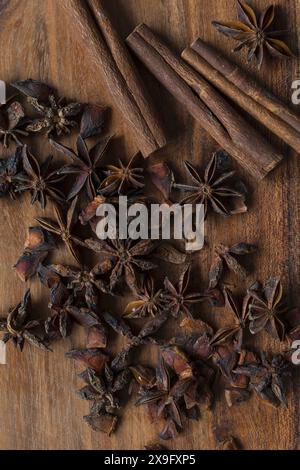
column 85, row 166
column 36, row 248
column 63, row 228
column 126, row 258
column 9, row 170
column 18, row 328
column 118, row 179
column 225, row 255
column 266, row 307
column 213, row 189
column 12, row 116
column 56, row 117
column 254, row 34
column 39, row 180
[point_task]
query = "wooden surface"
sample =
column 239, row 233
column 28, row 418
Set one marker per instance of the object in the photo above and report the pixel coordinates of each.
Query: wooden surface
column 39, row 408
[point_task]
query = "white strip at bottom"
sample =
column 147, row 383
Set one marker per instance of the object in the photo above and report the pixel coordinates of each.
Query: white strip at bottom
column 2, row 353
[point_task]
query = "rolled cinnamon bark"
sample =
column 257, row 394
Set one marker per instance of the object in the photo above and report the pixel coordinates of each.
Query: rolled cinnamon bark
column 246, row 84
column 113, row 61
column 213, row 112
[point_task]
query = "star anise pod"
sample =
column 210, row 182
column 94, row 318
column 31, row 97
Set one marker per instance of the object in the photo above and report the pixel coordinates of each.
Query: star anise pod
column 11, row 122
column 177, row 392
column 102, row 391
column 18, row 328
column 213, row 189
column 63, row 318
column 149, row 300
column 126, row 258
column 266, row 307
column 121, row 178
column 63, row 228
column 177, row 299
column 39, row 180
column 83, row 282
column 9, row 169
column 233, row 332
column 164, row 399
column 64, row 312
column 266, row 378
column 254, row 34
column 225, row 255
column 85, row 165
column 56, row 116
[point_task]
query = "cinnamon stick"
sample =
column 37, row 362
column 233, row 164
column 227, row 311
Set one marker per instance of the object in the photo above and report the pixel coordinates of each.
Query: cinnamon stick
column 213, row 112
column 112, row 60
column 246, row 84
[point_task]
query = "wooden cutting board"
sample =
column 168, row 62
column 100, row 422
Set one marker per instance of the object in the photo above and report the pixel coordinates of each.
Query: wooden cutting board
column 39, row 408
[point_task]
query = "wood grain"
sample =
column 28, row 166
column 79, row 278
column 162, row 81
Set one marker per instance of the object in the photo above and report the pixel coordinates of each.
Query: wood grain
column 39, row 408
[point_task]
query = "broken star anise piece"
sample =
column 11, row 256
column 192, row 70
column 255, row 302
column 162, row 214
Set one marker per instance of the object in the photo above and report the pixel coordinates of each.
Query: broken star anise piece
column 9, row 169
column 126, row 257
column 266, row 307
column 224, row 256
column 11, row 123
column 85, row 165
column 162, row 177
column 18, row 328
column 119, row 179
column 39, row 180
column 56, row 116
column 213, row 189
column 176, row 298
column 92, row 358
column 63, row 228
column 234, row 332
column 266, row 378
column 149, row 300
column 36, row 248
column 84, row 283
column 254, row 34
column 92, row 120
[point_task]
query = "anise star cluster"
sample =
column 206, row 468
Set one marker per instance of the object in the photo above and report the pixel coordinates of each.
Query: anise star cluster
column 181, row 386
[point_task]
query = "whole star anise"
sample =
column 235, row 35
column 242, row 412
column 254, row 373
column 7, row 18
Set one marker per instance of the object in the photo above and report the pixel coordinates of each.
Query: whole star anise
column 176, row 298
column 11, row 123
column 85, row 165
column 266, row 307
column 163, row 400
column 18, row 328
column 225, row 255
column 56, row 117
column 103, row 385
column 266, row 378
column 211, row 189
column 179, row 389
column 126, row 258
column 83, row 282
column 63, row 228
column 149, row 300
column 120, row 178
column 253, row 33
column 39, row 180
column 233, row 332
column 9, row 169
